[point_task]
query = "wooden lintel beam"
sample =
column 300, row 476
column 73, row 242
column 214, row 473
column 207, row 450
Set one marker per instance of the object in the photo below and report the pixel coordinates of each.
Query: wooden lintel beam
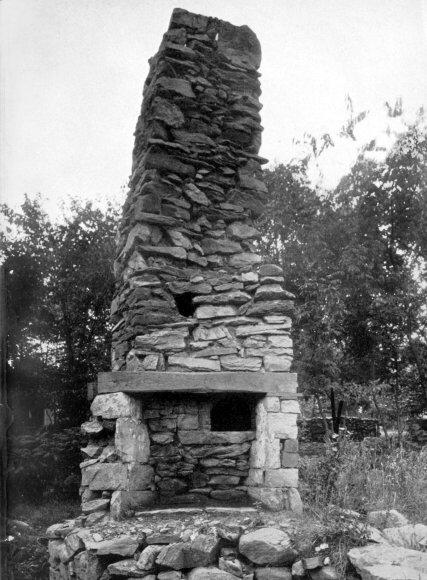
column 282, row 384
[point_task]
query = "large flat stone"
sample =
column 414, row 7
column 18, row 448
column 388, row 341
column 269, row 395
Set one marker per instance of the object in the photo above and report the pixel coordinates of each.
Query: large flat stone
column 383, row 562
column 194, row 363
column 126, row 568
column 233, row 362
column 413, row 536
column 120, row 546
column 105, row 476
column 163, row 340
column 204, row 312
column 214, row 438
column 115, row 405
column 281, row 477
column 267, row 546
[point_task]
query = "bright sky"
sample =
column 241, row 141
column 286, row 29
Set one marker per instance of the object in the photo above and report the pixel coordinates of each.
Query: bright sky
column 73, row 72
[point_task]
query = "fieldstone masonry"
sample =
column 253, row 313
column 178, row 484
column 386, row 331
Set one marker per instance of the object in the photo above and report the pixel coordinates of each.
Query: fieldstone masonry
column 194, row 298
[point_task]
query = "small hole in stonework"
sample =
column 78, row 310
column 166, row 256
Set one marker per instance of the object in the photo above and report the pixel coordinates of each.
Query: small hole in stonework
column 184, row 303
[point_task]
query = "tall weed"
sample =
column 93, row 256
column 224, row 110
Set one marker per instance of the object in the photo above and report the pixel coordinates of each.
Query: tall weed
column 367, row 475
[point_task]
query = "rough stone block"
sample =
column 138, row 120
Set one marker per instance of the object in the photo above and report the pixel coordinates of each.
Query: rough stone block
column 188, row 422
column 280, row 341
column 95, row 505
column 212, row 438
column 291, row 445
column 172, row 556
column 277, row 363
column 273, row 573
column 224, row 480
column 281, row 477
column 115, row 405
column 281, row 423
column 257, row 457
column 121, row 545
column 87, row 566
column 141, row 477
column 289, row 459
column 132, row 440
column 210, row 573
column 126, row 568
column 123, row 501
column 147, row 558
column 294, row 500
column 271, row 404
column 202, row 551
column 272, row 453
column 290, row 407
column 233, row 362
column 255, row 477
column 203, row 312
column 170, row 575
column 105, row 476
column 194, row 363
column 267, row 546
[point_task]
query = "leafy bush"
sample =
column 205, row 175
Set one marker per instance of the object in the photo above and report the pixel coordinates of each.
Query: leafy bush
column 44, row 465
column 27, row 555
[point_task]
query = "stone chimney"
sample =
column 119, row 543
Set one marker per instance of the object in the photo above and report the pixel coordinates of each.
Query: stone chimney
column 200, row 405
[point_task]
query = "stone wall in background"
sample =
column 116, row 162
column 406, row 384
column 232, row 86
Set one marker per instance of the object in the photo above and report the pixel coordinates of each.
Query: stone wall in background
column 313, row 430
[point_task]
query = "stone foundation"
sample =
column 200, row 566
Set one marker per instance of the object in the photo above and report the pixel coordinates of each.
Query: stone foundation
column 187, row 543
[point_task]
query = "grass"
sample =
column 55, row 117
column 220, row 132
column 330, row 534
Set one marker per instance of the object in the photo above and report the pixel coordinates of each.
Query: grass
column 365, row 476
column 353, row 479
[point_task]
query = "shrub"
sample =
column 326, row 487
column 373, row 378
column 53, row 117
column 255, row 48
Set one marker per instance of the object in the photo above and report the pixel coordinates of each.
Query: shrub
column 44, row 465
column 27, row 555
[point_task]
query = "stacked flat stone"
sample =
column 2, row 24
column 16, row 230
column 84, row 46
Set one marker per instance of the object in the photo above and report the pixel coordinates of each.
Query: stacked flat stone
column 188, row 223
column 182, row 544
column 192, row 294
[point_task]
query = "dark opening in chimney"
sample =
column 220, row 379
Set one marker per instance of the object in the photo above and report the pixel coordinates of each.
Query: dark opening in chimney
column 184, row 303
column 232, row 413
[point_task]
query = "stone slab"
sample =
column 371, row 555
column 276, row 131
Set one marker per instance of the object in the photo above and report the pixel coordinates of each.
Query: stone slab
column 283, row 384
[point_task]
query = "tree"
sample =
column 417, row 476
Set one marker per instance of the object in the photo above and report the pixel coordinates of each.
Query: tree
column 59, row 290
column 355, row 258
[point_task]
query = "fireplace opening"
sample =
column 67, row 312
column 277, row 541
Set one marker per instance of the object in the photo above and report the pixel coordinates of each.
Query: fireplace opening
column 184, row 303
column 232, row 413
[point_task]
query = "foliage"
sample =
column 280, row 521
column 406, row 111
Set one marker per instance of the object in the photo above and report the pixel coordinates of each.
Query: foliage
column 59, row 288
column 340, row 485
column 44, row 465
column 355, row 258
column 27, row 553
column 366, row 476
